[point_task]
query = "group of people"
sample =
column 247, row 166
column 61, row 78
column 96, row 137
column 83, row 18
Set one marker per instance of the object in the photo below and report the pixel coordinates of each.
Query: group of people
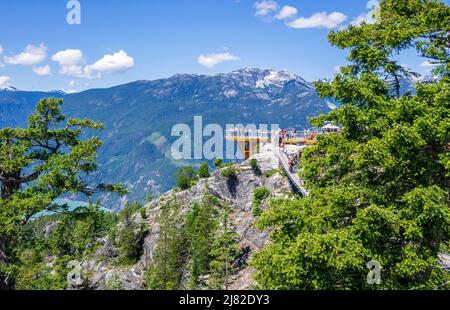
column 288, row 134
column 293, row 134
column 293, row 161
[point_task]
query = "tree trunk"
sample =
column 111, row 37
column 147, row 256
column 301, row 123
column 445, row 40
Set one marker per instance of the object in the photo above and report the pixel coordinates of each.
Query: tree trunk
column 8, row 188
column 6, row 281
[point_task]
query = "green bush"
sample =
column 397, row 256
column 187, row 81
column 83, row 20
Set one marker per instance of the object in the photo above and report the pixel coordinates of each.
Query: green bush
column 186, row 177
column 259, row 194
column 130, row 243
column 271, row 173
column 218, row 163
column 229, row 172
column 203, row 172
column 130, row 235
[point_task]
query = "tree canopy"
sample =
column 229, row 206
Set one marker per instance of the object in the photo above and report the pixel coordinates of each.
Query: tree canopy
column 380, row 189
column 38, row 164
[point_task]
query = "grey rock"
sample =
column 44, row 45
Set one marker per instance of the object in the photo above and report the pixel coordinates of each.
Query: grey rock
column 239, row 194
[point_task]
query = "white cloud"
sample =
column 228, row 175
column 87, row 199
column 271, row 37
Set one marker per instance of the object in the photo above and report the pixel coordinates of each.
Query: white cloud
column 44, row 70
column 363, row 18
column 32, row 55
column 368, row 18
column 117, row 62
column 211, row 60
column 1, row 50
column 72, row 83
column 373, row 4
column 265, row 7
column 337, row 68
column 318, row 20
column 5, row 81
column 71, row 64
column 286, row 12
column 69, row 57
column 76, row 71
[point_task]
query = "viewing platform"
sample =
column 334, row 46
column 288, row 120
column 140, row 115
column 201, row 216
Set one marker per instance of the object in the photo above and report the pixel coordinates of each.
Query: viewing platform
column 248, row 140
column 288, row 145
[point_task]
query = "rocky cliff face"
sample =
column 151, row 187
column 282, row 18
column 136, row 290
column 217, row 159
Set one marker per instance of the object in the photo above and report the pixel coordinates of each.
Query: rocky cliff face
column 239, row 194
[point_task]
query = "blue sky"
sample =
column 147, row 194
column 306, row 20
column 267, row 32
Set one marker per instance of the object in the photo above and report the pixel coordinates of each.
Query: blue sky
column 120, row 41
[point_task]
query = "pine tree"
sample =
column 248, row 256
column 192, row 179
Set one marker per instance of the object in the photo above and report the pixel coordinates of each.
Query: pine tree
column 201, row 226
column 39, row 164
column 203, row 171
column 131, row 235
column 165, row 272
column 380, row 189
column 224, row 252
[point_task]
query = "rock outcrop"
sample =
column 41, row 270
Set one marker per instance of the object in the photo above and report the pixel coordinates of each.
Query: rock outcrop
column 238, row 194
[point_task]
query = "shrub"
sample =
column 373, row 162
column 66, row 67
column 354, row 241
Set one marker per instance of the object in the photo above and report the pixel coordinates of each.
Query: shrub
column 203, row 172
column 130, row 243
column 229, row 172
column 131, row 235
column 218, row 163
column 186, row 177
column 259, row 194
column 271, row 173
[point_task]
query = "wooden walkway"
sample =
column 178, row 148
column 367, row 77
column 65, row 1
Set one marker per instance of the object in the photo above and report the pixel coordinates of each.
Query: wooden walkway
column 293, row 176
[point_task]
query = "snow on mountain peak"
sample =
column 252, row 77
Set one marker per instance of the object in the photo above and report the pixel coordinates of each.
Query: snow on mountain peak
column 263, row 78
column 8, row 88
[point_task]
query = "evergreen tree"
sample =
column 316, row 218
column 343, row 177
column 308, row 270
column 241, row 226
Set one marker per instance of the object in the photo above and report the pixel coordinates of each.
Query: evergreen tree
column 201, row 226
column 60, row 238
column 224, row 252
column 203, row 171
column 380, row 189
column 186, row 177
column 166, row 270
column 130, row 235
column 37, row 165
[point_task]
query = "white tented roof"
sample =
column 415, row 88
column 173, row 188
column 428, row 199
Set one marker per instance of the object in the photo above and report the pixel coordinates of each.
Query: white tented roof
column 330, row 127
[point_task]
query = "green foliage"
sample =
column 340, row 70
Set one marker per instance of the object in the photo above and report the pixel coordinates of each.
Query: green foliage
column 259, row 195
column 193, row 246
column 380, row 190
column 229, row 172
column 166, row 270
column 271, row 173
column 49, row 243
column 113, row 283
column 39, row 164
column 143, row 213
column 203, row 172
column 254, row 164
column 218, row 163
column 186, row 177
column 255, row 167
column 131, row 235
column 224, row 252
column 41, row 275
column 201, row 226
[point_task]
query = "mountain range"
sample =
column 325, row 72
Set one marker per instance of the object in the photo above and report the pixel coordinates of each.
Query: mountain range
column 139, row 117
